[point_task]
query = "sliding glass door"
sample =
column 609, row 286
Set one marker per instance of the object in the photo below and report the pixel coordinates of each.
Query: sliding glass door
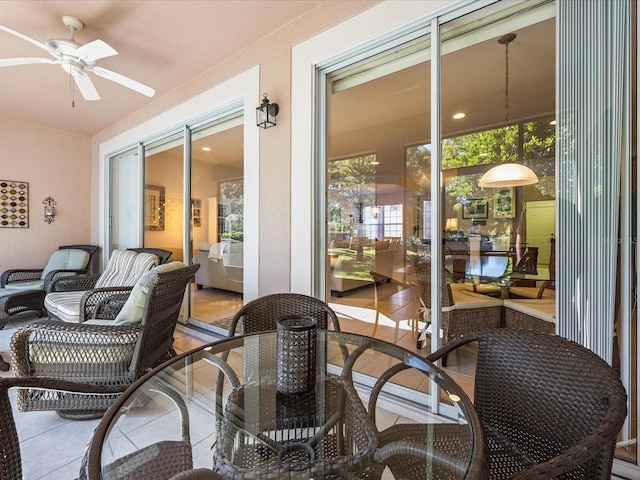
column 184, row 192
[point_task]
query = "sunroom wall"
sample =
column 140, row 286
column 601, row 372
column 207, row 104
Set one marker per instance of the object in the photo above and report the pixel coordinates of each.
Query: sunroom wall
column 273, row 56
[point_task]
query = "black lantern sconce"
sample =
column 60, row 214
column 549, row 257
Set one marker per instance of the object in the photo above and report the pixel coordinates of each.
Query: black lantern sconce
column 49, row 209
column 266, row 113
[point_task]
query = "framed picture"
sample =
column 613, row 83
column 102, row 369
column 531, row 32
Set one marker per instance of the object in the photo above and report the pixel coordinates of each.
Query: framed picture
column 154, row 204
column 14, row 204
column 504, row 205
column 475, row 208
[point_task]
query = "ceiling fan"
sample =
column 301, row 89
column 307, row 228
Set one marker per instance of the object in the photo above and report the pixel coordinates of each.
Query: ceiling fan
column 77, row 60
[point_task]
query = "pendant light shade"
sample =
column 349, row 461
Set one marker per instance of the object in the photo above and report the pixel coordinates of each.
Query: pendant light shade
column 508, row 175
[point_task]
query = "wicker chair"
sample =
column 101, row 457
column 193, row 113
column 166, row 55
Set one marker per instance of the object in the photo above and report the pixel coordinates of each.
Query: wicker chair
column 101, row 352
column 263, row 313
column 463, row 312
column 76, row 299
column 550, row 407
column 24, row 289
column 414, row 450
column 10, row 459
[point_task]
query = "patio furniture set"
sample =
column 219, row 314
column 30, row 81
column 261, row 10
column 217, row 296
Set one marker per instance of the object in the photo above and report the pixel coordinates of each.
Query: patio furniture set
column 510, row 431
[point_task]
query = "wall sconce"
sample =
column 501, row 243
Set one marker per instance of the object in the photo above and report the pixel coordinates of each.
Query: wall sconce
column 49, row 209
column 266, row 113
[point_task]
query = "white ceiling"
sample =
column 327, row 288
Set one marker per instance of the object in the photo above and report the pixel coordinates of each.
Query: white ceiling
column 160, row 44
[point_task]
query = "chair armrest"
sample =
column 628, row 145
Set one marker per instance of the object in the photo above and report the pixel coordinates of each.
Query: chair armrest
column 80, row 348
column 54, row 274
column 16, row 275
column 74, row 283
column 103, row 303
column 593, row 444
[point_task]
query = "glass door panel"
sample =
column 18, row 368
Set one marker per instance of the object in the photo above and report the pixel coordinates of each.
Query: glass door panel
column 124, row 200
column 217, row 170
column 164, row 194
column 376, row 193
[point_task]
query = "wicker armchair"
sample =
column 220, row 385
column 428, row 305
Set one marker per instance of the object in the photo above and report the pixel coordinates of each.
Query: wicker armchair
column 550, row 407
column 262, row 313
column 76, row 299
column 463, row 312
column 24, row 289
column 100, row 352
column 10, row 458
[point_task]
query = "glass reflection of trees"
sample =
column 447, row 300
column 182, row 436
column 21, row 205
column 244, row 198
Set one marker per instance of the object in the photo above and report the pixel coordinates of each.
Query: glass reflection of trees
column 351, row 188
column 232, row 197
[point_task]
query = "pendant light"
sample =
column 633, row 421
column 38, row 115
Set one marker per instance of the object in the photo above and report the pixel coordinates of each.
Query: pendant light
column 507, row 174
column 376, row 209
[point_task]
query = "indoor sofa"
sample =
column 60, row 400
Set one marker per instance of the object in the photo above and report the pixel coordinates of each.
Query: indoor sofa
column 221, row 266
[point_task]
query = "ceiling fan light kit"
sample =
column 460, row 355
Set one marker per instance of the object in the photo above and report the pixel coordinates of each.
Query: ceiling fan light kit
column 77, row 59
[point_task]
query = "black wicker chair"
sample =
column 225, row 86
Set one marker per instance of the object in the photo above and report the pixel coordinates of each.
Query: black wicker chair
column 550, row 407
column 10, row 458
column 112, row 354
column 263, row 313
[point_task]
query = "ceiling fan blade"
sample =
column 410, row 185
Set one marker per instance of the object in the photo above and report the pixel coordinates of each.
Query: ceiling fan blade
column 8, row 62
column 86, row 87
column 24, row 37
column 124, row 81
column 95, row 50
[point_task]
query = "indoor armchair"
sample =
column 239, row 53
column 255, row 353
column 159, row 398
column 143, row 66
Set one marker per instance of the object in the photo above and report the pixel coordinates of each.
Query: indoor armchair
column 103, row 352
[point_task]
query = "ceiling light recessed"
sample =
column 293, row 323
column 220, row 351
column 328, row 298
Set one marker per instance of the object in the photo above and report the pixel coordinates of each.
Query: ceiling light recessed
column 459, row 115
column 206, row 149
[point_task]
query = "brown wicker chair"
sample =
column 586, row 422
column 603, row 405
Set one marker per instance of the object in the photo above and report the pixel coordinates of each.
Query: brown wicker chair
column 76, row 299
column 23, row 290
column 463, row 313
column 99, row 353
column 263, row 313
column 550, row 407
column 10, row 459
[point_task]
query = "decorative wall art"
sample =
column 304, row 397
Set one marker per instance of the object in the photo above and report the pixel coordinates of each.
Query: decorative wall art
column 475, row 208
column 154, row 207
column 504, row 205
column 14, row 204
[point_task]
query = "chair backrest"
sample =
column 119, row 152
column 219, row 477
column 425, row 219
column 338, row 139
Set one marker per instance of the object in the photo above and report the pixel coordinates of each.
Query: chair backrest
column 159, row 318
column 422, row 269
column 66, row 259
column 262, row 314
column 125, row 268
column 163, row 255
column 547, row 394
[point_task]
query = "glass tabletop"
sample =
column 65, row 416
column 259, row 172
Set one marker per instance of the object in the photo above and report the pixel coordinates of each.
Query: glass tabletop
column 218, row 407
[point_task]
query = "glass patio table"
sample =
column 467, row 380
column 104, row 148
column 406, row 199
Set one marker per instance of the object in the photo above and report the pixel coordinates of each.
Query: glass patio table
column 218, row 407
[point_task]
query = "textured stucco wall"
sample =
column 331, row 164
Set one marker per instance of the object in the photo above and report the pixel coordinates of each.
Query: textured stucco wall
column 57, row 164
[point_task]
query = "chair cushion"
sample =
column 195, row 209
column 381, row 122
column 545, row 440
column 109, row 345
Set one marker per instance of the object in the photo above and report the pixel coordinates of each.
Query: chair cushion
column 66, row 259
column 64, row 305
column 125, row 268
column 30, row 285
column 131, row 312
column 464, row 299
column 542, row 308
